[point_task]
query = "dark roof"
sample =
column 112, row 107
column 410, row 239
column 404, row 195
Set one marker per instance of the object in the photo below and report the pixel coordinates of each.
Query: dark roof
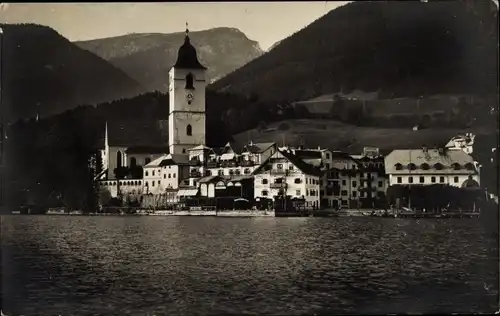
column 296, row 161
column 308, row 153
column 138, row 133
column 218, row 150
column 187, row 57
column 341, row 155
column 258, row 147
column 175, row 159
column 147, row 150
column 470, row 183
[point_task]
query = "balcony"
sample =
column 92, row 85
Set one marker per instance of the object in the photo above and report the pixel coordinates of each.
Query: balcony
column 247, row 163
column 195, row 174
column 278, row 186
column 229, row 164
column 279, row 171
column 194, row 162
column 213, row 164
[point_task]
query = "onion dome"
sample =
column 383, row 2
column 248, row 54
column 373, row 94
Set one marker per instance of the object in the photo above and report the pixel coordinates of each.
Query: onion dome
column 187, row 57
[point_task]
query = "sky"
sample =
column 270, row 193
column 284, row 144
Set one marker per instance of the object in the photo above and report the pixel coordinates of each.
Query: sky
column 264, row 22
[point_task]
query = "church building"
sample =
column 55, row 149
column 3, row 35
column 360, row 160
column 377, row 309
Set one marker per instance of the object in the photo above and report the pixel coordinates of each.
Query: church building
column 131, row 145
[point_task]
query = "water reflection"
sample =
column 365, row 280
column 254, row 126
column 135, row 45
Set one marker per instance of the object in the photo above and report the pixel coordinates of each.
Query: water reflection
column 199, row 266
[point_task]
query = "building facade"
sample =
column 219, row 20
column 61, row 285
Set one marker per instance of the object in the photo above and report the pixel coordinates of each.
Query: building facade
column 284, row 174
column 430, row 166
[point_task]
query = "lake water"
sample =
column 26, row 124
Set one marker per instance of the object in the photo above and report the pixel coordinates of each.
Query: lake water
column 63, row 265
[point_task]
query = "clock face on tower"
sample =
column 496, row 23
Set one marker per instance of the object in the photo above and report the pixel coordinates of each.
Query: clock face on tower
column 189, row 97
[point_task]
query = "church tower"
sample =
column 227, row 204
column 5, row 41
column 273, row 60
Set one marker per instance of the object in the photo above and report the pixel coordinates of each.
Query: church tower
column 186, row 120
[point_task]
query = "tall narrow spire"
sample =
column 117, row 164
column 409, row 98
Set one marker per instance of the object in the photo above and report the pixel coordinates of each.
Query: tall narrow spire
column 187, row 29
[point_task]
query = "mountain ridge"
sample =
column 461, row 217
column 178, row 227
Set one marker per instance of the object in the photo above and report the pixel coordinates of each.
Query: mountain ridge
column 401, row 48
column 147, row 57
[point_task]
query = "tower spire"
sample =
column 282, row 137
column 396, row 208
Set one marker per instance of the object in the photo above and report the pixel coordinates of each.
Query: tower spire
column 187, row 29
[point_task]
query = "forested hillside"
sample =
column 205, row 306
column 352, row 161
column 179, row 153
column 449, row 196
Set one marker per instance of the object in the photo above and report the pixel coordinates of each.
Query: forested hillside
column 43, row 72
column 400, row 48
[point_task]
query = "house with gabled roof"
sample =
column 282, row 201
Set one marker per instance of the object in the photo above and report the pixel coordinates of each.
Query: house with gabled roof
column 285, row 174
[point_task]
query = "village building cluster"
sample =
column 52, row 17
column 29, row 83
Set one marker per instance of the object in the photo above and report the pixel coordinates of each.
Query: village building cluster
column 170, row 159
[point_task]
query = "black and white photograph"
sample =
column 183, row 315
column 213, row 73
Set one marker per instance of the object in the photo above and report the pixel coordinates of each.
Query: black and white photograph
column 249, row 158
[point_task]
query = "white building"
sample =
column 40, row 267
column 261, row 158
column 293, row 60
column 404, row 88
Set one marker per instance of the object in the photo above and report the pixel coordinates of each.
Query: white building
column 285, row 174
column 131, row 143
column 462, row 142
column 430, row 166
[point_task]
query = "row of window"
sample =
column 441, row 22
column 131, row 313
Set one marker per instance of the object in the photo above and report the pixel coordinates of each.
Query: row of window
column 354, row 184
column 152, row 183
column 437, row 166
column 123, row 183
column 422, row 180
column 133, row 160
column 297, row 193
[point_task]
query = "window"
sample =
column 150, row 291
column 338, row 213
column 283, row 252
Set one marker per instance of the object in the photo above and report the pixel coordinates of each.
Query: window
column 354, row 193
column 280, row 166
column 183, row 150
column 343, row 192
column 327, row 156
column 438, row 166
column 173, row 175
column 165, row 176
column 290, row 167
column 410, row 179
column 146, row 183
column 354, row 184
column 327, row 166
column 220, row 172
column 158, row 182
column 455, row 179
column 133, row 162
column 343, row 182
column 412, row 166
column 119, row 159
column 189, row 130
column 441, row 179
column 169, row 175
column 297, row 180
column 264, row 181
column 247, row 171
column 400, row 180
column 146, row 173
column 153, row 173
column 433, row 179
column 361, row 194
column 398, row 166
column 152, row 183
column 380, row 184
column 189, row 81
column 147, row 160
column 297, row 192
column 421, row 180
column 264, row 193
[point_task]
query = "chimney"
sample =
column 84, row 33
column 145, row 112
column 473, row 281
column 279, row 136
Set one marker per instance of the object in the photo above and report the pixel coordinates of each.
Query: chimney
column 424, row 149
